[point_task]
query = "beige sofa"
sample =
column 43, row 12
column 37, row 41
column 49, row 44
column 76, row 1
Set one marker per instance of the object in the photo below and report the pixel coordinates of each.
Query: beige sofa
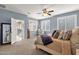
column 74, row 40
column 61, row 47
column 58, row 47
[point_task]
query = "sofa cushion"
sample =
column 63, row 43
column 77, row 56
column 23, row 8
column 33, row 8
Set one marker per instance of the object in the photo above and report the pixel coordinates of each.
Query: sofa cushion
column 56, row 45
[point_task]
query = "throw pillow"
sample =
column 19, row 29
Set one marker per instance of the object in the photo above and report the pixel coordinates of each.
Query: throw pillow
column 56, row 34
column 46, row 39
column 67, row 35
column 53, row 32
column 61, row 35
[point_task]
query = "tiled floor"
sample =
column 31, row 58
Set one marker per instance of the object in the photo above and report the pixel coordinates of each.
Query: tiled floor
column 24, row 47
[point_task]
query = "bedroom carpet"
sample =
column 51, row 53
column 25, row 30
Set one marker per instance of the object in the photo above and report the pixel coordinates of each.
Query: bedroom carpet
column 24, row 47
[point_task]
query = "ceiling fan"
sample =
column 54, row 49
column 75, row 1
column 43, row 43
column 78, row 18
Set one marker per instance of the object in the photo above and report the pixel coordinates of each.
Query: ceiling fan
column 46, row 12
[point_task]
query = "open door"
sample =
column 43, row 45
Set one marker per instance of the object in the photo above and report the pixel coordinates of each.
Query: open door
column 17, row 30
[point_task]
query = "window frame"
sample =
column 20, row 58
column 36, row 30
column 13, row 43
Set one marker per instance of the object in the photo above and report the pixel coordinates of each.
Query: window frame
column 33, row 23
column 44, row 23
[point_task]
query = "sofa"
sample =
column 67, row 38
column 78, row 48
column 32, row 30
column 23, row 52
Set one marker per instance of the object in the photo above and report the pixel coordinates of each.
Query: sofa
column 60, row 47
column 74, row 40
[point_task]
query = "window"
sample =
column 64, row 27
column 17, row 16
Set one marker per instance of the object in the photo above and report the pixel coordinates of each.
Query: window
column 45, row 25
column 33, row 25
column 67, row 22
column 61, row 24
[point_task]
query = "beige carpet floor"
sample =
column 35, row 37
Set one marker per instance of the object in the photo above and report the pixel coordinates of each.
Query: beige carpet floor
column 24, row 47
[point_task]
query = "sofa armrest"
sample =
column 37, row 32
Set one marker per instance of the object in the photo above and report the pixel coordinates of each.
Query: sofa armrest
column 74, row 46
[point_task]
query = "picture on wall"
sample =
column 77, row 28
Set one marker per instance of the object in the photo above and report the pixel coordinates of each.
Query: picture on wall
column 5, row 33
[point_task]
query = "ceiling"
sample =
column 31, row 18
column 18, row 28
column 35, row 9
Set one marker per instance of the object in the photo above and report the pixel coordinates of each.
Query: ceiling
column 31, row 10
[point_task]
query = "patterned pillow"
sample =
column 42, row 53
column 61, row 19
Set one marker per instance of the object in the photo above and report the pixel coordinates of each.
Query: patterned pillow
column 56, row 35
column 67, row 35
column 61, row 35
column 53, row 33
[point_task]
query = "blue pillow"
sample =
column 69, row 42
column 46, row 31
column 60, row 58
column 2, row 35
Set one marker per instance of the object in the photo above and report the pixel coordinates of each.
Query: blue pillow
column 46, row 39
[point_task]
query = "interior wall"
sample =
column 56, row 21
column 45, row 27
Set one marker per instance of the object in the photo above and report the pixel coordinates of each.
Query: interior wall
column 53, row 19
column 6, row 15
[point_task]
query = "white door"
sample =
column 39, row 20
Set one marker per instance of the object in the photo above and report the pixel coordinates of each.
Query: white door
column 17, row 30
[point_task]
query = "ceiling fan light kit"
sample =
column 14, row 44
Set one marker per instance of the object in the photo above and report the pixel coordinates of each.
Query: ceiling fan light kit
column 45, row 14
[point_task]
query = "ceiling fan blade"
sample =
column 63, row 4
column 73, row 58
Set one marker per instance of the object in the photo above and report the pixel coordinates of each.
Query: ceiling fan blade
column 51, row 11
column 49, row 14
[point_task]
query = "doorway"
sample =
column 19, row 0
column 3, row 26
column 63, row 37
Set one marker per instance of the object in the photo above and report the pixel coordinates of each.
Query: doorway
column 17, row 27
